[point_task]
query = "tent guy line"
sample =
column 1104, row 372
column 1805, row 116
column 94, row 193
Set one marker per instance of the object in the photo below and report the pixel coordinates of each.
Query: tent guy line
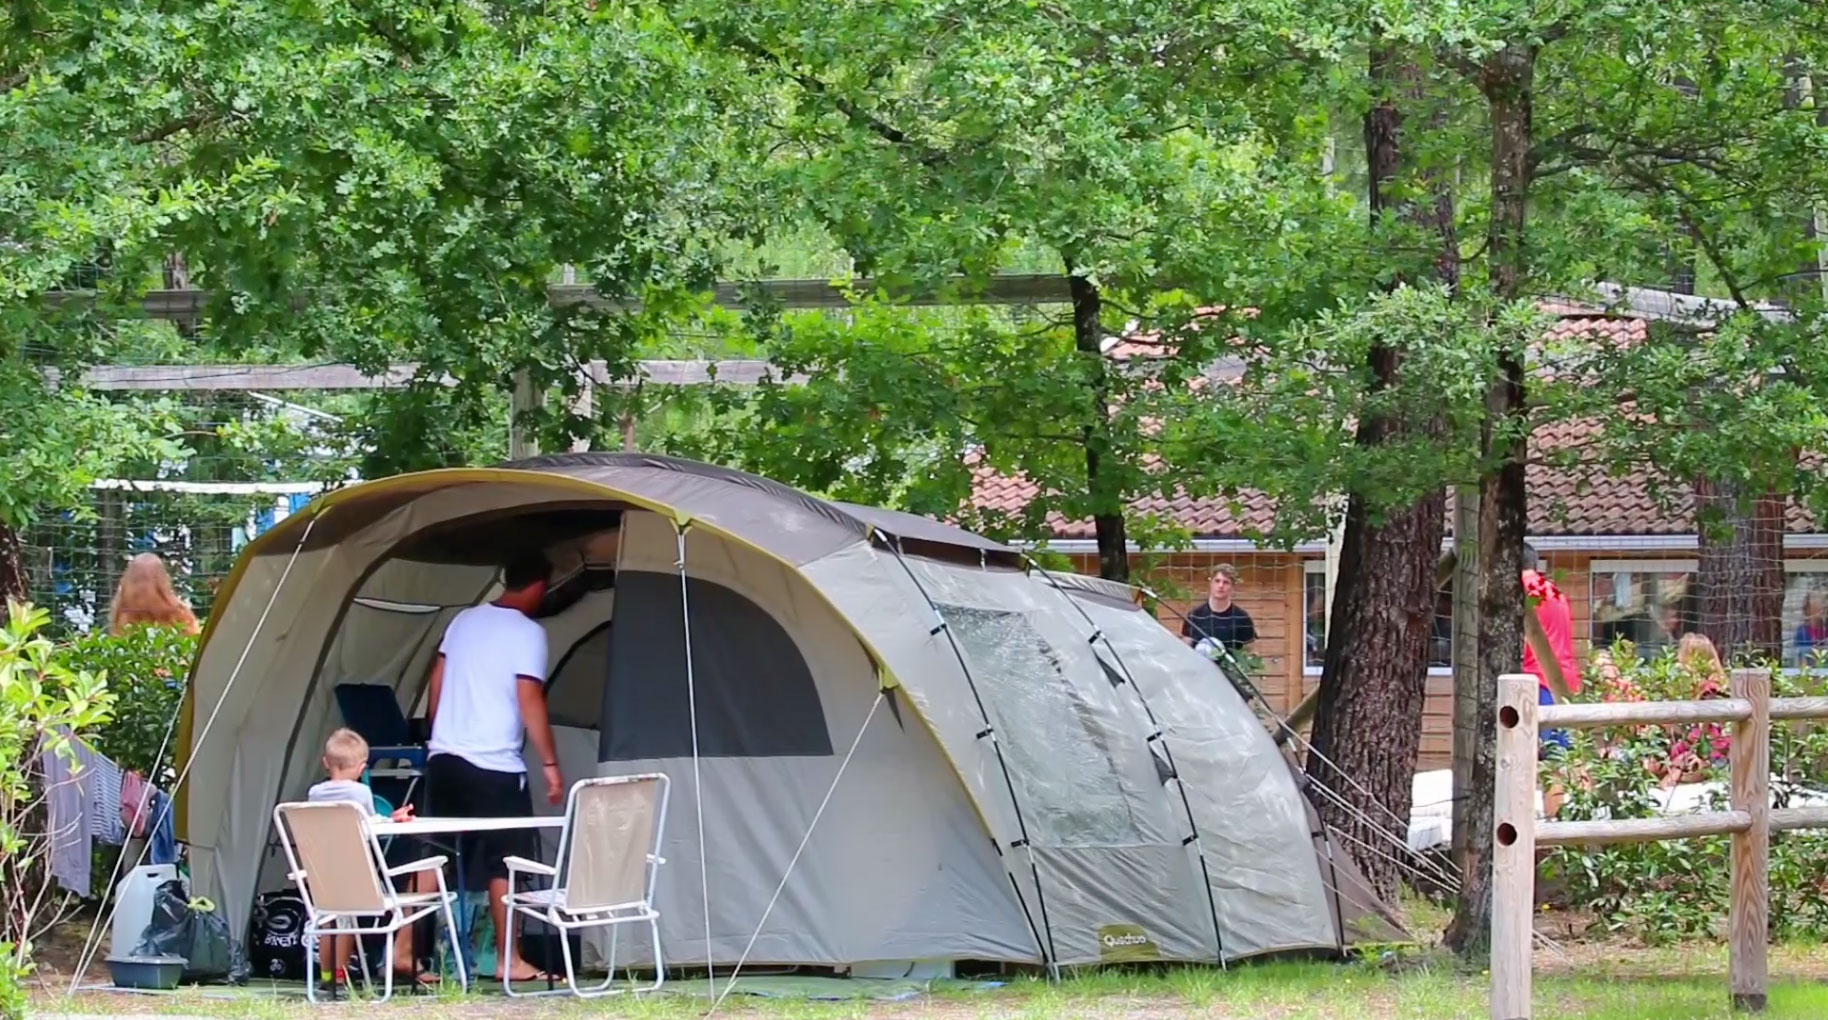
column 825, row 802
column 698, row 789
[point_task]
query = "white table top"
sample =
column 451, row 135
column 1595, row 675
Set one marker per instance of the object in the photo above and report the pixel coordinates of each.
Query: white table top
column 429, row 826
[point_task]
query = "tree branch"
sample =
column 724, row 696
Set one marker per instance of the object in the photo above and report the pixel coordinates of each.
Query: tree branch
column 869, row 121
column 165, row 131
column 1462, row 63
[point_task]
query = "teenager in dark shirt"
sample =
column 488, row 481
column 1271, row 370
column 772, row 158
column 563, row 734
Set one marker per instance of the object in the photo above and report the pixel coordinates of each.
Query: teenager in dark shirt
column 1218, row 618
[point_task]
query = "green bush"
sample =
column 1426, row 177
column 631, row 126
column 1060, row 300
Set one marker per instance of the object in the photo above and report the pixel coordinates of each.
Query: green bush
column 147, row 669
column 42, row 700
column 1678, row 889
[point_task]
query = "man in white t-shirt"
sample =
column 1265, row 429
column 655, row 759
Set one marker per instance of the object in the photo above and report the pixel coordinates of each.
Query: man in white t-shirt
column 487, row 691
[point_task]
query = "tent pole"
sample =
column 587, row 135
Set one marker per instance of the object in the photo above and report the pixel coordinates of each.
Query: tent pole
column 1160, row 737
column 698, row 788
column 1044, row 935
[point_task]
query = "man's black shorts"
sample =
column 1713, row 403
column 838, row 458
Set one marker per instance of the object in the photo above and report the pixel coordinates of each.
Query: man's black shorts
column 455, row 788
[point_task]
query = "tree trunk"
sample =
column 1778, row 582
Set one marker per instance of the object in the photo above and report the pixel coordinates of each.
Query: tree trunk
column 1740, row 579
column 1106, row 495
column 1368, row 722
column 1507, row 79
column 177, row 277
column 13, row 578
column 1740, row 575
column 110, row 551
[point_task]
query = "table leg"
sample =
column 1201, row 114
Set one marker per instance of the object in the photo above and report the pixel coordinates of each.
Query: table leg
column 462, row 938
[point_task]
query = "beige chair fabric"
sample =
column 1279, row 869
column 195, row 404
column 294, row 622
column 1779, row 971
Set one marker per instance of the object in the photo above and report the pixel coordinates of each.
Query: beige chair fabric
column 614, row 830
column 334, row 858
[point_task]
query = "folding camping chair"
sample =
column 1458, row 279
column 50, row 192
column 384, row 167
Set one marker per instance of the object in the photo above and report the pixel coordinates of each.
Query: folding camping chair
column 344, row 880
column 607, row 864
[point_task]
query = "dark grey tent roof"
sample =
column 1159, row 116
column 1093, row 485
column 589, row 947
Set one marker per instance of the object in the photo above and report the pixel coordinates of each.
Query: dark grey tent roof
column 862, row 520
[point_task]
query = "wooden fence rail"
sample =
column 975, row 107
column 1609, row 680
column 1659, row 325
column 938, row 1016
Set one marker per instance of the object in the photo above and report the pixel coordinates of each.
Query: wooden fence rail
column 1750, row 821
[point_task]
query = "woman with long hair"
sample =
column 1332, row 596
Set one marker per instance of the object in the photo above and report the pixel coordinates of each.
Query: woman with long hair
column 145, row 598
column 1697, row 654
column 1705, row 744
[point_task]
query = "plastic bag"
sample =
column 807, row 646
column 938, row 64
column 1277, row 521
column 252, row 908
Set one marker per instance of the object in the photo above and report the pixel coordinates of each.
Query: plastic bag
column 192, row 929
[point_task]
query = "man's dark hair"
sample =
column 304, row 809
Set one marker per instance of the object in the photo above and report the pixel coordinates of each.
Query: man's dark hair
column 525, row 570
column 1531, row 561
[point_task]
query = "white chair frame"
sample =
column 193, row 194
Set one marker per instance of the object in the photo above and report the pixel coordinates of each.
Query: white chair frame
column 386, row 913
column 549, row 907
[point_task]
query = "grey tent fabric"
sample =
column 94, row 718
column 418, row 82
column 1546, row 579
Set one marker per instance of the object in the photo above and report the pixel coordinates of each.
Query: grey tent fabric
column 1008, row 799
column 921, row 529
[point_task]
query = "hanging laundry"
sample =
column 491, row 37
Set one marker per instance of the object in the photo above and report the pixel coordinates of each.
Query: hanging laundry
column 66, row 802
column 102, row 782
column 164, row 848
column 135, row 804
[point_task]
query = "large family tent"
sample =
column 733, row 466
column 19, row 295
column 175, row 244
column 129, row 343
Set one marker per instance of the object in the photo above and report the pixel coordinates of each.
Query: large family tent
column 1004, row 765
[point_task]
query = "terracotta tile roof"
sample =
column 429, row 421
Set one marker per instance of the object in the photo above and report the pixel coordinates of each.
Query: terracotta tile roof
column 1563, row 500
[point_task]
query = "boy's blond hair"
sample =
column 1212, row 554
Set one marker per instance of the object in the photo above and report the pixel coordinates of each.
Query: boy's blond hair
column 346, row 750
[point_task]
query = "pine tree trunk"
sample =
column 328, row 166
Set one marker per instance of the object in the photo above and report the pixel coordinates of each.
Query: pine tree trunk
column 1740, row 579
column 1368, row 722
column 1106, row 496
column 1507, row 79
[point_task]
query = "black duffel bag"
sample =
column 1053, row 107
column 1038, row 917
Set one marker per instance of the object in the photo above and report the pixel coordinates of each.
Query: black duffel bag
column 276, row 937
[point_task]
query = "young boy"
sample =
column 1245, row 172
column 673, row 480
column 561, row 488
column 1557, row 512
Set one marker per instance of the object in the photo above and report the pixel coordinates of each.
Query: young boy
column 345, row 759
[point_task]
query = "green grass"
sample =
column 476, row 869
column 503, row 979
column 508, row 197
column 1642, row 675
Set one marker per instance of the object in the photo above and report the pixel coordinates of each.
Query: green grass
column 1614, row 987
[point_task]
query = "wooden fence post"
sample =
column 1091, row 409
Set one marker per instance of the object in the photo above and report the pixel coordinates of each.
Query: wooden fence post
column 1749, row 913
column 1514, row 848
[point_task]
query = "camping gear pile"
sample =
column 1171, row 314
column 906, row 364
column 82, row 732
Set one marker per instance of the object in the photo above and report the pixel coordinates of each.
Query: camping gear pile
column 186, row 940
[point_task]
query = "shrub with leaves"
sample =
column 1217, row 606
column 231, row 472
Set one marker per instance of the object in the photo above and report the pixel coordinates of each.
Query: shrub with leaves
column 147, row 669
column 1662, row 891
column 42, row 702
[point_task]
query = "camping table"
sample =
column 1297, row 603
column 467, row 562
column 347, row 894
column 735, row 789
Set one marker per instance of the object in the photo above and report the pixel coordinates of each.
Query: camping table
column 433, row 826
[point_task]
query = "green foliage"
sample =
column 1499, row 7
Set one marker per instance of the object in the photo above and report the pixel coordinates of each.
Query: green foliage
column 54, row 442
column 1661, row 891
column 42, row 702
column 147, row 669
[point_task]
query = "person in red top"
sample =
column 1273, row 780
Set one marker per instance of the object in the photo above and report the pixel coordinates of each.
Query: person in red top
column 1556, row 616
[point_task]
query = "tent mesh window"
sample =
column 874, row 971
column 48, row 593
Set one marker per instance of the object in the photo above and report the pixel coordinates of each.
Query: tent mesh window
column 1058, row 749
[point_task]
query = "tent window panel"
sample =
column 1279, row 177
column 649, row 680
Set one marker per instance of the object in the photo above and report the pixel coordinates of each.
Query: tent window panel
column 1059, row 751
column 756, row 695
